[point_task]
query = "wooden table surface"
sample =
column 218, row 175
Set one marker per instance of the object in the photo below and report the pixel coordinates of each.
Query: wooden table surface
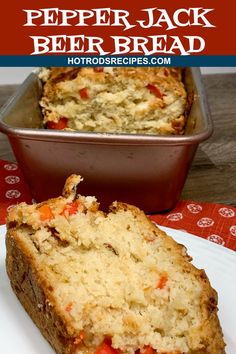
column 213, row 174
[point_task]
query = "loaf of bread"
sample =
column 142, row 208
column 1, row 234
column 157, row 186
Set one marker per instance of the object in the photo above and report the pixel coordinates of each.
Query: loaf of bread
column 108, row 283
column 140, row 100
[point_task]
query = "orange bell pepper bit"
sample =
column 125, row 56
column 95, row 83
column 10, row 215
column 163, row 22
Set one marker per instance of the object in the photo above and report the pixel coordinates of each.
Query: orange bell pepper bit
column 69, row 307
column 162, row 282
column 80, row 338
column 45, row 213
column 81, row 335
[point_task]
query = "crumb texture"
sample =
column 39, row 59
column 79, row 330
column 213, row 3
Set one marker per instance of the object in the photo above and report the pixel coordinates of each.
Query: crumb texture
column 113, row 275
column 116, row 100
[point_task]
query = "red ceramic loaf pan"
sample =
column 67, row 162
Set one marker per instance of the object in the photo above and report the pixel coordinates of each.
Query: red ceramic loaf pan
column 146, row 170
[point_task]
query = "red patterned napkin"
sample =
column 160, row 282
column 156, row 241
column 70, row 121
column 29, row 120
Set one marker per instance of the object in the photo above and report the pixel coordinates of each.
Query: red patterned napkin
column 215, row 222
column 13, row 188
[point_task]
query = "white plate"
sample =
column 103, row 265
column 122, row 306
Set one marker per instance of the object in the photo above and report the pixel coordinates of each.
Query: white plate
column 19, row 335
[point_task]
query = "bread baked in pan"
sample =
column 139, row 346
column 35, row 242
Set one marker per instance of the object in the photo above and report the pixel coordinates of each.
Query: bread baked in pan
column 136, row 100
column 108, row 283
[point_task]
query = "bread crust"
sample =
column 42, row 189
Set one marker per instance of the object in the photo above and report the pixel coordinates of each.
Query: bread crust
column 34, row 293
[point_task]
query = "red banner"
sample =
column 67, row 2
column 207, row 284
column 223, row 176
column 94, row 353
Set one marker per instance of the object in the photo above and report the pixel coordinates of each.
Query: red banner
column 118, row 27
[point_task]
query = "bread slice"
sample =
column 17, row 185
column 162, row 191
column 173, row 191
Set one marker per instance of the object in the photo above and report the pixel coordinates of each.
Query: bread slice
column 108, row 283
column 136, row 100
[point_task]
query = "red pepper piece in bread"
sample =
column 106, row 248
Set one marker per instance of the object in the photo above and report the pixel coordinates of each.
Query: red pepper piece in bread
column 105, row 348
column 162, row 282
column 155, row 90
column 60, row 125
column 84, row 93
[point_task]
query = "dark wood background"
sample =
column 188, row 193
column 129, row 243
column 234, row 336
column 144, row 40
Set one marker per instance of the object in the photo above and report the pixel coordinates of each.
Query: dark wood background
column 213, row 174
